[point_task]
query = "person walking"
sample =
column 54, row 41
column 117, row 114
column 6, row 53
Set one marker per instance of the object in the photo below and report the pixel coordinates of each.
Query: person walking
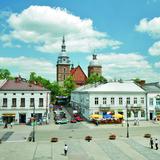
column 151, row 143
column 11, row 124
column 65, row 149
column 156, row 144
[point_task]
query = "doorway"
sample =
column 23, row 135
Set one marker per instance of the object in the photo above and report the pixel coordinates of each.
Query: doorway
column 151, row 116
column 22, row 117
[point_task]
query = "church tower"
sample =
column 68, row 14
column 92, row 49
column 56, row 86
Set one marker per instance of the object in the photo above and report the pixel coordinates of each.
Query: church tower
column 63, row 64
column 94, row 66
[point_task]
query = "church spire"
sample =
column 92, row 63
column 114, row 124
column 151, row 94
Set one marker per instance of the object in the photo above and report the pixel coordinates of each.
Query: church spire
column 63, row 45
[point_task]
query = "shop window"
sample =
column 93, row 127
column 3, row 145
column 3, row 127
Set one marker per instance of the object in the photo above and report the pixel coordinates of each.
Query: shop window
column 136, row 114
column 142, row 113
column 157, row 101
column 129, row 114
column 96, row 100
column 120, row 101
column 151, row 101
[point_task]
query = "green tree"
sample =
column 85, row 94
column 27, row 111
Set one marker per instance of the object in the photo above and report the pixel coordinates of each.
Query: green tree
column 93, row 78
column 5, row 74
column 69, row 85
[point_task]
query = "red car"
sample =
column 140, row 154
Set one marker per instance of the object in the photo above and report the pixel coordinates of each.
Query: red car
column 73, row 121
column 78, row 118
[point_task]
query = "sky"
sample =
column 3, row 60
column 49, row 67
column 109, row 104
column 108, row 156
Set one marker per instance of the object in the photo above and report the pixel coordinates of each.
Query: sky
column 125, row 35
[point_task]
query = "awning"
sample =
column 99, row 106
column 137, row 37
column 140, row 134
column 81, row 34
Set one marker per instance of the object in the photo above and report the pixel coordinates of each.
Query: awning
column 96, row 116
column 118, row 116
column 8, row 114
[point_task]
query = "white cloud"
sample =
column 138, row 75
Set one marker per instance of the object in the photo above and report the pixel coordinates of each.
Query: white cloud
column 126, row 66
column 152, row 27
column 157, row 64
column 25, row 65
column 155, row 49
column 44, row 26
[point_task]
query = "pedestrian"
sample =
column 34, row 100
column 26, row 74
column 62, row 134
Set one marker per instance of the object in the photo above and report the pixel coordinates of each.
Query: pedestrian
column 151, row 142
column 65, row 149
column 137, row 121
column 156, row 144
column 11, row 124
column 5, row 125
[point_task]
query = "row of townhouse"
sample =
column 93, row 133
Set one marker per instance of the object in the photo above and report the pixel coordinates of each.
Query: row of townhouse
column 20, row 100
column 126, row 98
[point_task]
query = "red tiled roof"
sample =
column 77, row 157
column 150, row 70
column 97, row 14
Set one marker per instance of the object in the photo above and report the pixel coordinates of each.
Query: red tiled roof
column 21, row 86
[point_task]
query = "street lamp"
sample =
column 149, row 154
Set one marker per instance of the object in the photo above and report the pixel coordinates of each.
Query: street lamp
column 34, row 120
column 127, row 121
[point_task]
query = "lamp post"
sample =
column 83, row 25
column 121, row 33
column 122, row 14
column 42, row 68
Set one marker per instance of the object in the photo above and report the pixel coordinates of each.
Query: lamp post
column 127, row 121
column 34, row 120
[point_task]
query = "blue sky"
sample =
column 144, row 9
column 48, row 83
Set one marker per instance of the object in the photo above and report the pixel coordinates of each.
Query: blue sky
column 125, row 35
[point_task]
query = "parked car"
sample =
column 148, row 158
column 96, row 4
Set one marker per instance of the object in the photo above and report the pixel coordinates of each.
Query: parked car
column 78, row 118
column 62, row 121
column 73, row 121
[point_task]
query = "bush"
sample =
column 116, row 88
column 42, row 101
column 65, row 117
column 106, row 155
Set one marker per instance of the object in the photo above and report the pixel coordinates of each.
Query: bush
column 147, row 135
column 54, row 139
column 112, row 137
column 88, row 138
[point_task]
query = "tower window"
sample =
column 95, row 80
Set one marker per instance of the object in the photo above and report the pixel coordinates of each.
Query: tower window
column 64, row 70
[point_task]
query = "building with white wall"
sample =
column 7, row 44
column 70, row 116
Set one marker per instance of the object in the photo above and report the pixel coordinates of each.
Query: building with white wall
column 19, row 99
column 153, row 99
column 113, row 96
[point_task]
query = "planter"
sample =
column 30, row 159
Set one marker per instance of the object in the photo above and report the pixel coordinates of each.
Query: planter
column 88, row 138
column 112, row 137
column 54, row 139
column 147, row 135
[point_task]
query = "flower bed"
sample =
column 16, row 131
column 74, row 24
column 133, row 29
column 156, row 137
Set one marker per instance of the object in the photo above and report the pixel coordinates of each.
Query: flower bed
column 88, row 138
column 112, row 137
column 54, row 139
column 147, row 135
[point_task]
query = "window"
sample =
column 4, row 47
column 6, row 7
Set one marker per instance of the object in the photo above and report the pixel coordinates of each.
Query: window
column 41, row 93
column 40, row 102
column 142, row 100
column 22, row 93
column 64, row 70
column 157, row 101
column 5, row 93
column 104, row 100
column 4, row 102
column 142, row 113
column 128, row 113
column 14, row 102
column 64, row 77
column 128, row 100
column 151, row 101
column 14, row 93
column 96, row 100
column 135, row 100
column 120, row 100
column 112, row 100
column 31, row 102
column 32, row 93
column 22, row 102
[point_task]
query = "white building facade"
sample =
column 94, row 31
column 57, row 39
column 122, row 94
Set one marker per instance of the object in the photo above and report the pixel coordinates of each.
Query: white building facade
column 153, row 99
column 19, row 100
column 113, row 97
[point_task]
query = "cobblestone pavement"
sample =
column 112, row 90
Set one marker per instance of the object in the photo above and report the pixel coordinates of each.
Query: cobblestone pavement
column 15, row 146
column 136, row 148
